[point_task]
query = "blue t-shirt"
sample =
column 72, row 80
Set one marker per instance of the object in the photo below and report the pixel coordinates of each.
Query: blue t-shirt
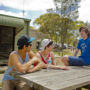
column 84, row 47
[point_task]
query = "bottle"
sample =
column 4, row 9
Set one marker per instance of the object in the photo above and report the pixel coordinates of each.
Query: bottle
column 49, row 61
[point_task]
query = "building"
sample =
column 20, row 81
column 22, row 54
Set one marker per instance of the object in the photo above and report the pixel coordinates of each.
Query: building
column 11, row 28
column 39, row 36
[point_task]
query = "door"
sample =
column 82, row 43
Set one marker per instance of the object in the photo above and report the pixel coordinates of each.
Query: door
column 7, row 35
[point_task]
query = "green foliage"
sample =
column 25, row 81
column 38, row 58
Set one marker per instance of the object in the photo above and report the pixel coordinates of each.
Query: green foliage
column 0, row 84
column 31, row 27
column 64, row 52
column 60, row 29
column 66, row 26
column 49, row 23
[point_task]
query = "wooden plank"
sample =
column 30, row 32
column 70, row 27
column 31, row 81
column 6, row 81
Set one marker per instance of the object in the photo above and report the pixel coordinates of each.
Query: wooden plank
column 58, row 79
column 51, row 82
column 53, row 73
column 46, row 78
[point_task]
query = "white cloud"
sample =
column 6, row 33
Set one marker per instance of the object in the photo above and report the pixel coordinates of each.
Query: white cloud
column 84, row 11
column 29, row 4
column 12, row 3
column 12, row 14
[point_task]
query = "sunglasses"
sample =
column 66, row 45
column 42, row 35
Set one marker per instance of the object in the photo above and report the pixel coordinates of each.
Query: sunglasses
column 30, row 44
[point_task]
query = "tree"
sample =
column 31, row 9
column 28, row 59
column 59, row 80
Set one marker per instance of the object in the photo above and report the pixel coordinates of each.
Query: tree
column 49, row 24
column 61, row 29
column 31, row 27
column 67, row 8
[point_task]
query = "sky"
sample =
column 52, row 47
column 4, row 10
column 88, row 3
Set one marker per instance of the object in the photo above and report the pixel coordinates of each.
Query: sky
column 34, row 8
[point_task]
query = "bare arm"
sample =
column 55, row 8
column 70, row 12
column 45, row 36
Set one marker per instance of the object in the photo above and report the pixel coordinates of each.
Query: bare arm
column 52, row 66
column 53, row 58
column 55, row 67
column 13, row 61
column 18, row 66
column 59, row 67
column 35, row 60
column 38, row 66
column 43, row 64
column 76, row 52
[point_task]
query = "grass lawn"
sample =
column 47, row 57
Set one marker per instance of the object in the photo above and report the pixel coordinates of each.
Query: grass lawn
column 0, row 84
column 84, row 89
column 64, row 52
column 60, row 53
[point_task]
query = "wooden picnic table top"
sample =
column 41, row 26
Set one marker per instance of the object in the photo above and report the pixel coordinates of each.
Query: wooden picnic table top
column 57, row 79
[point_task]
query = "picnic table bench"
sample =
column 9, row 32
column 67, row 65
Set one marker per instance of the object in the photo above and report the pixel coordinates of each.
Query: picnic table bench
column 70, row 79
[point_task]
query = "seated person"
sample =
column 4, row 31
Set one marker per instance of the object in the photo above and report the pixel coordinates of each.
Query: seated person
column 84, row 47
column 20, row 61
column 46, row 53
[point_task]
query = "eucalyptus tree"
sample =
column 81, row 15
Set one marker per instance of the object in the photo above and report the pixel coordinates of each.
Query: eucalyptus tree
column 60, row 29
column 49, row 24
column 68, row 10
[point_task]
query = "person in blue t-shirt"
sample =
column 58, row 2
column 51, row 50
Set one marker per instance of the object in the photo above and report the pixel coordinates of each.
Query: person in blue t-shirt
column 84, row 47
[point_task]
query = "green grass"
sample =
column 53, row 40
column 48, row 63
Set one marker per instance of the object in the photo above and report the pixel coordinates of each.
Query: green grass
column 0, row 84
column 84, row 89
column 64, row 52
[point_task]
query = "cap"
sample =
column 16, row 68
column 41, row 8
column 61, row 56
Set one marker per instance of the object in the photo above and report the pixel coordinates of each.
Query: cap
column 24, row 40
column 44, row 43
column 31, row 39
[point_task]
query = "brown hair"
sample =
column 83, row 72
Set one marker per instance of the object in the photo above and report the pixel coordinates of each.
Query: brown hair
column 50, row 43
column 87, row 31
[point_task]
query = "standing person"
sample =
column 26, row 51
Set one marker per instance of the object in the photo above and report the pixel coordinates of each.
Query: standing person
column 84, row 47
column 46, row 53
column 20, row 61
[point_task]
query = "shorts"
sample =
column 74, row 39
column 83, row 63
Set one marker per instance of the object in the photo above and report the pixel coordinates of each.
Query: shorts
column 15, row 85
column 76, row 61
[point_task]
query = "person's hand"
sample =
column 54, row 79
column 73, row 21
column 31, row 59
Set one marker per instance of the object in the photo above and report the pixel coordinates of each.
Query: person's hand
column 44, row 65
column 64, row 67
column 30, row 71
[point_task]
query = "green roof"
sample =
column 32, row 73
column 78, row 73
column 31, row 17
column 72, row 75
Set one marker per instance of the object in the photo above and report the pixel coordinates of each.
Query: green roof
column 11, row 21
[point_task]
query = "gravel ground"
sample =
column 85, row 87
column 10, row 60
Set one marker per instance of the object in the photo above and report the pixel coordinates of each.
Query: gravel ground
column 2, row 69
column 1, row 76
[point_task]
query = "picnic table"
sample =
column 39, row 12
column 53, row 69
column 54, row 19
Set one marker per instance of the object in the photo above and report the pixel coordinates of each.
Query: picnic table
column 70, row 79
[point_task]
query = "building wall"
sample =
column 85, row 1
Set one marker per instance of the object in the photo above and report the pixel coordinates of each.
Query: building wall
column 39, row 36
column 32, row 33
column 21, row 33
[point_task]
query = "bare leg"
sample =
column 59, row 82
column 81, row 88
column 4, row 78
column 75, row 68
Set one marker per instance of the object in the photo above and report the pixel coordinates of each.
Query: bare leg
column 8, row 85
column 21, row 85
column 65, row 60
